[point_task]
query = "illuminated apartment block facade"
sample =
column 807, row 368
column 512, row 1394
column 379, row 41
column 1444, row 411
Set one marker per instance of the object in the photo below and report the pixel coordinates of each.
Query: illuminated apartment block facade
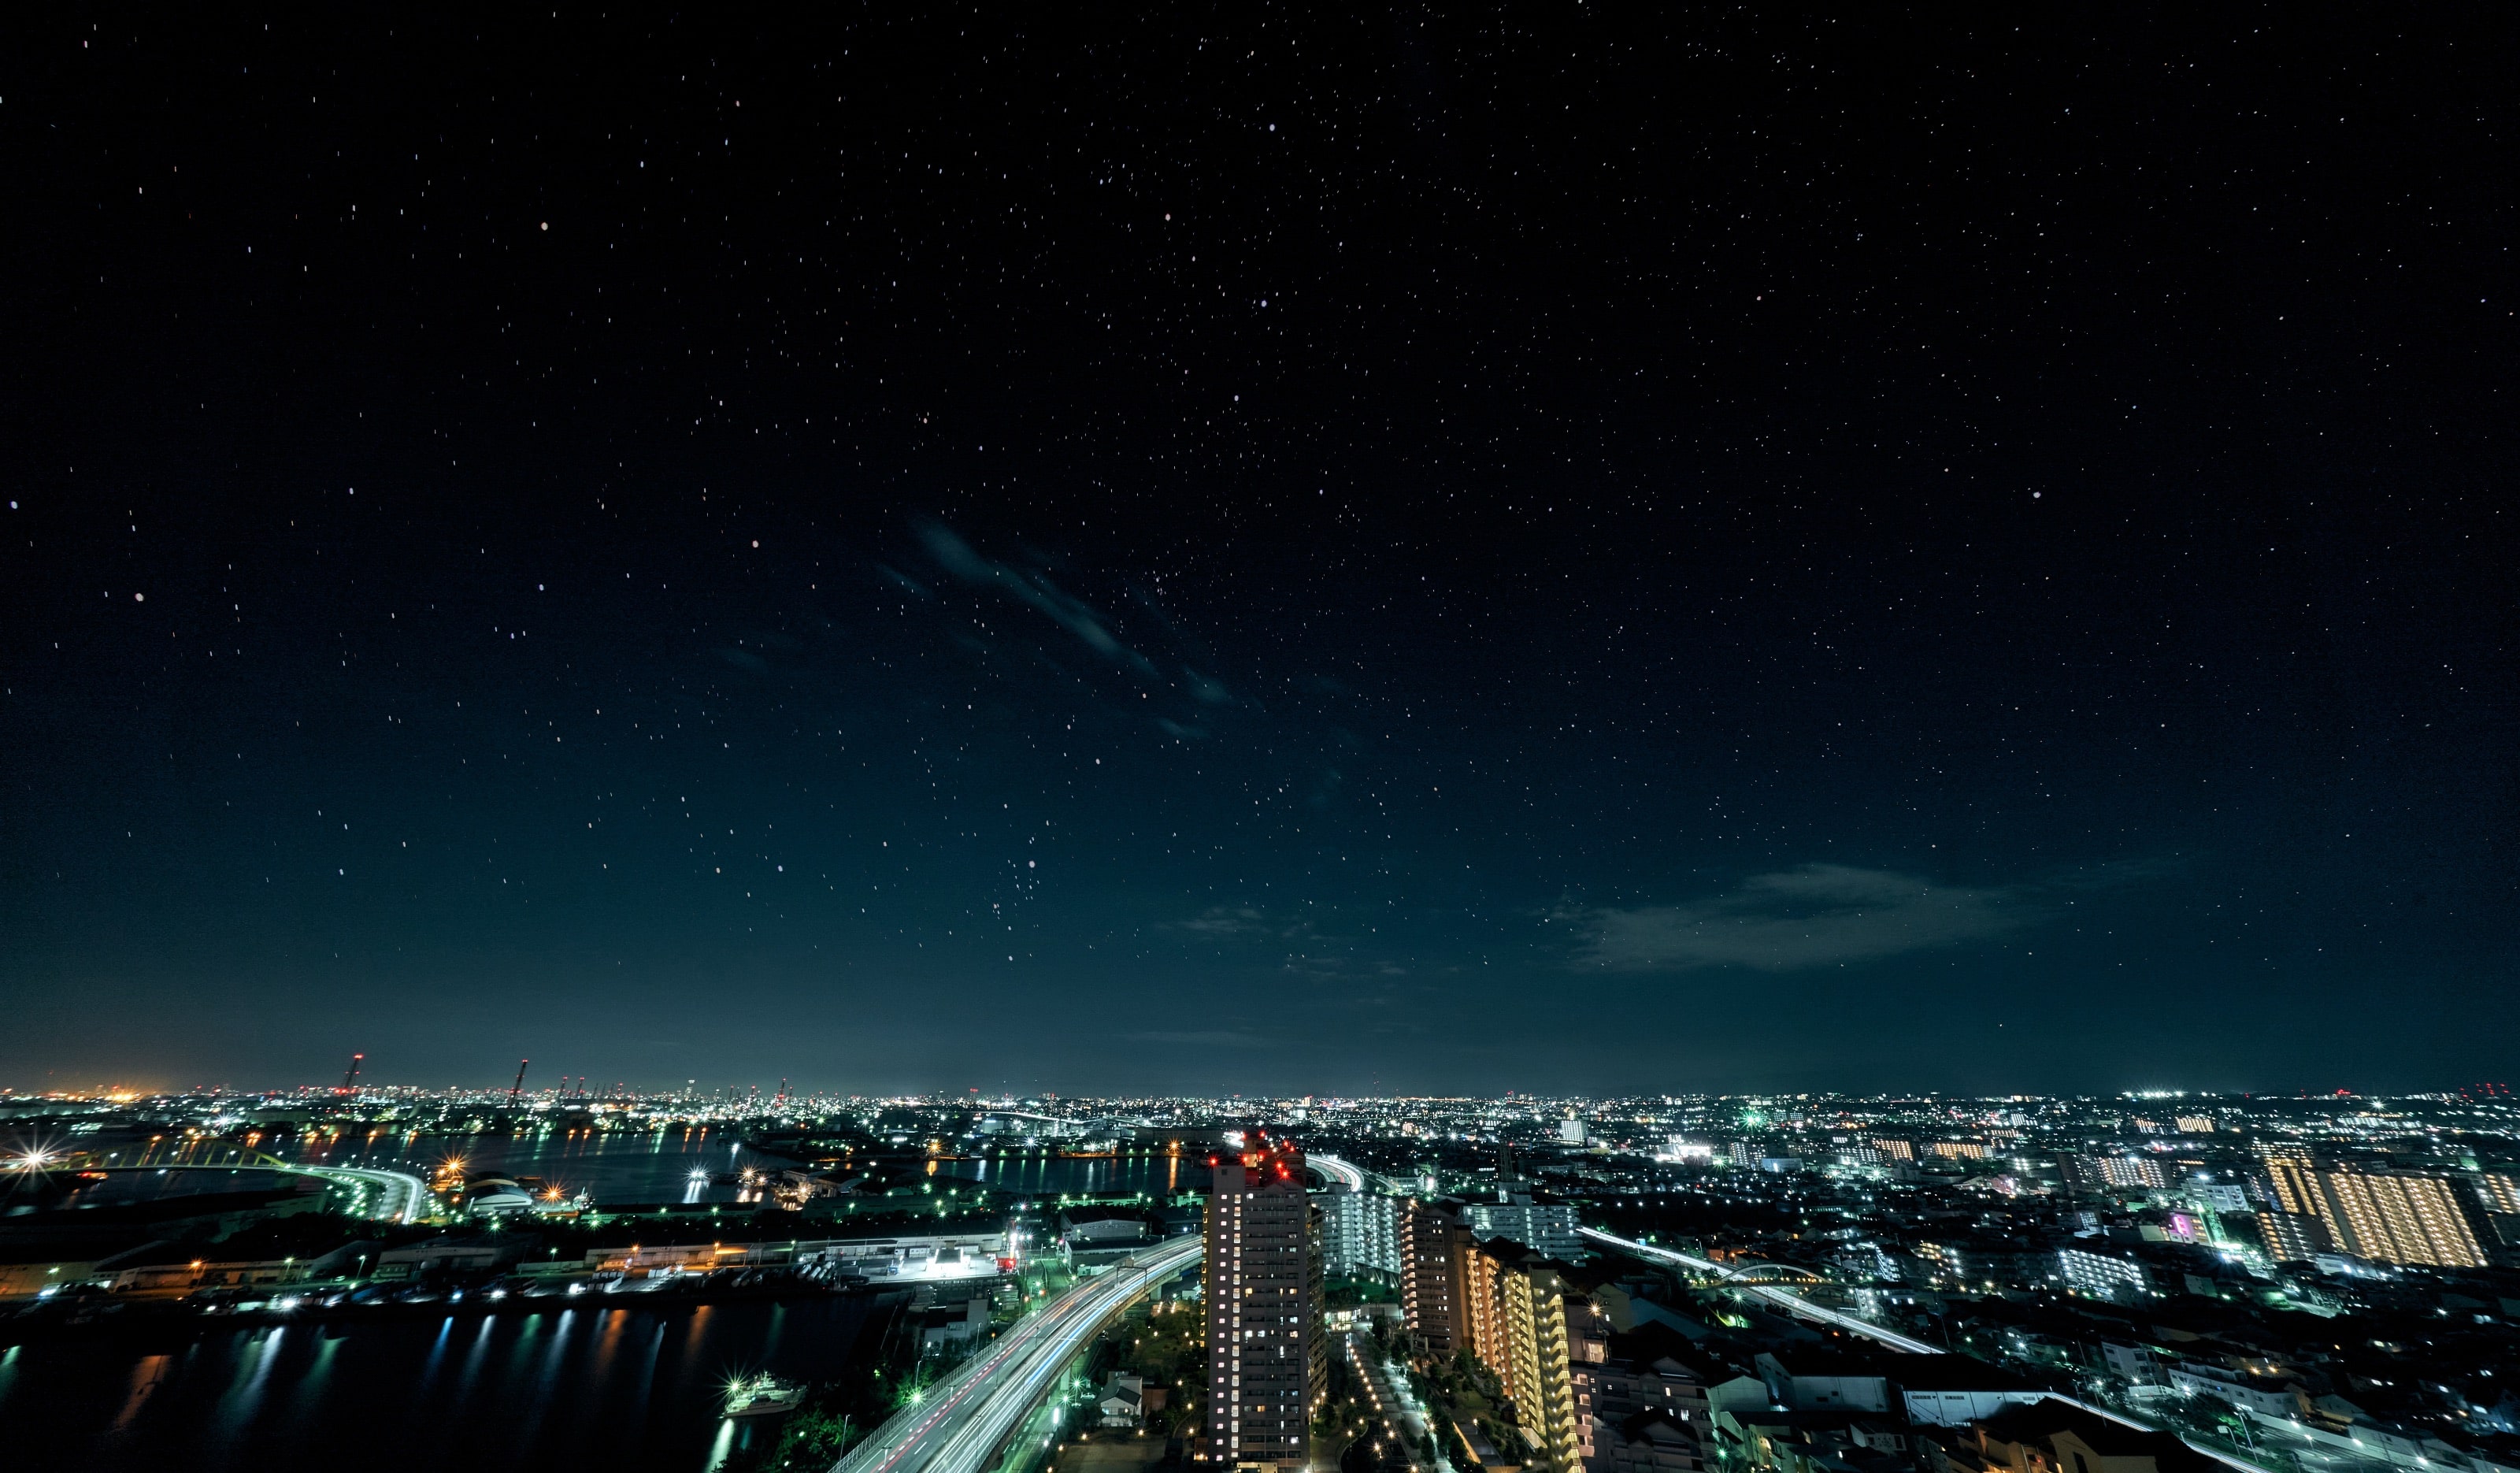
column 1533, row 1304
column 1517, row 1308
column 2388, row 1218
column 2401, row 1219
column 1433, row 1294
column 1267, row 1363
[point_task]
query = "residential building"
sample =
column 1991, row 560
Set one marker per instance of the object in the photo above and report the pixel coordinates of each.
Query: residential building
column 2133, row 1173
column 2052, row 1437
column 2294, row 1237
column 1267, row 1360
column 1643, row 1442
column 2399, row 1219
column 1535, row 1301
column 2292, row 1176
column 1524, row 1316
column 2103, row 1275
column 2135, row 1365
column 1981, row 1259
column 1432, row 1242
column 1630, row 1305
column 1123, row 1402
column 1551, row 1230
column 1482, row 1264
column 2392, row 1218
column 2221, row 1196
column 2105, row 1173
column 1619, row 1375
column 2499, row 1191
column 1361, row 1235
column 2082, row 1173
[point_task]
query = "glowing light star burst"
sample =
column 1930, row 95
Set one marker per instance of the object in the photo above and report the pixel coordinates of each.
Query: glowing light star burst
column 31, row 1154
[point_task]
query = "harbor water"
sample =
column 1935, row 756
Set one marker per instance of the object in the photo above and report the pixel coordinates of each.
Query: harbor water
column 601, row 1387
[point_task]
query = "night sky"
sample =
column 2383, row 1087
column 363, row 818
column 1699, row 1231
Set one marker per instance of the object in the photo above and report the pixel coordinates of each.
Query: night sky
column 1560, row 547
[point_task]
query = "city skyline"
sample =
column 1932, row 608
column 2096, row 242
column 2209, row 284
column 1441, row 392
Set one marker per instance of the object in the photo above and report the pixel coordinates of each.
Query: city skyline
column 1656, row 1284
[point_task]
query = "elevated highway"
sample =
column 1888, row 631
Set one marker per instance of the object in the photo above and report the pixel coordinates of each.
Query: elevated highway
column 960, row 1424
column 378, row 1195
column 1335, row 1172
column 1784, row 1299
column 1339, row 1172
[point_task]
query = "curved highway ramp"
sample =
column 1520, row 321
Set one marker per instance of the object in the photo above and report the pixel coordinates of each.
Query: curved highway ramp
column 959, row 1424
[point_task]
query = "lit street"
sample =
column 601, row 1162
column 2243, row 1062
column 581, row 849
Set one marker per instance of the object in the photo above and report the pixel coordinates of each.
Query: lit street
column 957, row 1424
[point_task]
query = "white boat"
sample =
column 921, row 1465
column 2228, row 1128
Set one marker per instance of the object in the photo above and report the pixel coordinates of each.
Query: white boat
column 761, row 1396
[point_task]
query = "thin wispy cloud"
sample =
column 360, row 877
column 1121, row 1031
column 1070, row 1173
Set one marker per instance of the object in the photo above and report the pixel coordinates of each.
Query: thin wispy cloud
column 1226, row 920
column 1074, row 615
column 1815, row 916
column 1211, row 1039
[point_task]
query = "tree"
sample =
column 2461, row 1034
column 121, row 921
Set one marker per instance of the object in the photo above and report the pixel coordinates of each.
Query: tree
column 813, row 1438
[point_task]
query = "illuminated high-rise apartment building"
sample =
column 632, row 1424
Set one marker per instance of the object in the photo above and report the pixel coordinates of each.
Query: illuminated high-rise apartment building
column 1534, row 1303
column 2101, row 1175
column 1519, row 1311
column 1267, row 1366
column 2294, row 1237
column 1482, row 1312
column 1361, row 1235
column 2499, row 1193
column 1549, row 1230
column 2401, row 1219
column 2292, row 1176
column 1432, row 1292
column 2388, row 1218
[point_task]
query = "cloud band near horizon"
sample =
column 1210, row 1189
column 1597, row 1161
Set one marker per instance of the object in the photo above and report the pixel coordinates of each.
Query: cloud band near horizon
column 1810, row 916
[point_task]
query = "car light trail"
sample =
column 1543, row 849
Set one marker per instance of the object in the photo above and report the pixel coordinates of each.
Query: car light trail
column 968, row 1416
